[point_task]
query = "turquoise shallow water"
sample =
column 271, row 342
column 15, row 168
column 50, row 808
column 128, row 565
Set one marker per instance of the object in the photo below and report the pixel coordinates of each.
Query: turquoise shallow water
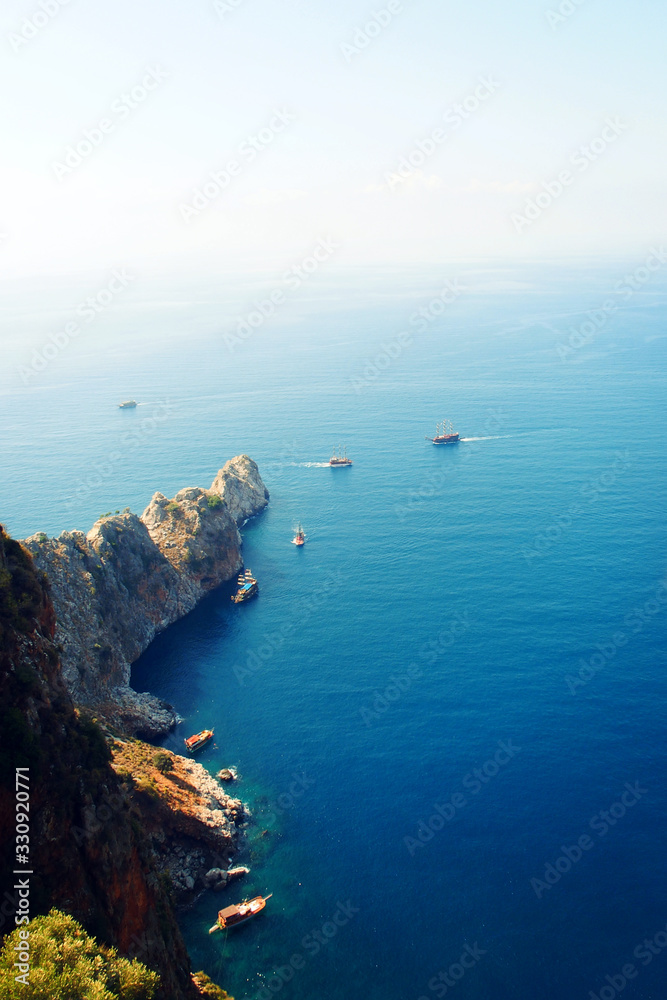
column 442, row 601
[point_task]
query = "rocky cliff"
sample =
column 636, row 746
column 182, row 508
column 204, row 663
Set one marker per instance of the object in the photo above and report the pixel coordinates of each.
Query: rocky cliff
column 89, row 853
column 130, row 577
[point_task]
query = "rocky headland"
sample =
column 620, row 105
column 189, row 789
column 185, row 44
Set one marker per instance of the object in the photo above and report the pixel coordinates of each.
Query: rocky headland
column 116, row 587
column 193, row 825
column 121, row 831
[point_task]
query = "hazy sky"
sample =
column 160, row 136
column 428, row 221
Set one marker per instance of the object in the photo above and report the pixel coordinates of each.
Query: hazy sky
column 183, row 86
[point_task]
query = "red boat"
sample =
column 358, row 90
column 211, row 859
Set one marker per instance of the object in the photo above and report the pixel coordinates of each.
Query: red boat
column 299, row 538
column 232, row 916
column 197, row 741
column 444, row 434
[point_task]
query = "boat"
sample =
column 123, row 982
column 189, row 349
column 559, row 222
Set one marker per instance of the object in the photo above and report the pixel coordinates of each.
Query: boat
column 232, row 916
column 127, row 404
column 196, row 742
column 299, row 537
column 444, row 434
column 339, row 459
column 247, row 587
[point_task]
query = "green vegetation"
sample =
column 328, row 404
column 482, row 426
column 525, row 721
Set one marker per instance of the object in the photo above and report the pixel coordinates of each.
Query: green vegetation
column 163, row 762
column 208, row 988
column 65, row 961
column 21, row 589
column 174, row 508
column 214, row 501
column 109, row 513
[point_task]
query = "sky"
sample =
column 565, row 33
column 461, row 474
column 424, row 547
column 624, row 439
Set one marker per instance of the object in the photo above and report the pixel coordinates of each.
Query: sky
column 404, row 131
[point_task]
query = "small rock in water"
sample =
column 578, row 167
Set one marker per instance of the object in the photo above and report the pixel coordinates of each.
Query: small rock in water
column 226, row 774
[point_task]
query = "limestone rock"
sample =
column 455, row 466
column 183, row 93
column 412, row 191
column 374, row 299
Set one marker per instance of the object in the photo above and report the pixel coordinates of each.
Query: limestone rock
column 240, row 485
column 130, row 577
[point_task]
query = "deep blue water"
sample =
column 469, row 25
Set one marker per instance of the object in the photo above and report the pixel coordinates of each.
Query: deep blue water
column 483, row 574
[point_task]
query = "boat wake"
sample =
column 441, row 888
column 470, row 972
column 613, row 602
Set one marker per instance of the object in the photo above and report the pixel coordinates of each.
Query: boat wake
column 493, row 437
column 545, row 430
column 310, row 465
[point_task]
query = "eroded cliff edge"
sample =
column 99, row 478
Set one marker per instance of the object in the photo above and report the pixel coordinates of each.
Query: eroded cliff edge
column 116, row 587
column 91, row 851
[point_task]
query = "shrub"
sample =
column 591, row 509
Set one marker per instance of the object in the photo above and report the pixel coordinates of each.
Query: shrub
column 65, row 961
column 208, row 988
column 214, row 501
column 163, row 762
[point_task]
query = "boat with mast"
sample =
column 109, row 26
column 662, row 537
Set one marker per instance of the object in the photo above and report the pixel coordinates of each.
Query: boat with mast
column 232, row 916
column 444, row 434
column 247, row 587
column 339, row 458
column 299, row 537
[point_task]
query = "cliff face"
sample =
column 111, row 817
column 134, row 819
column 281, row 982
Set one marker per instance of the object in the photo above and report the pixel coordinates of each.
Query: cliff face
column 193, row 825
column 130, row 577
column 100, row 871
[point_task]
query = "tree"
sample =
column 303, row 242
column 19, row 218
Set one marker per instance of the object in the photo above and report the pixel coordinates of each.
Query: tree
column 63, row 960
column 163, row 762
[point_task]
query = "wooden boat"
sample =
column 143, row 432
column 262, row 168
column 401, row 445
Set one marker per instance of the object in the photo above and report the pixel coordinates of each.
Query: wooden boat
column 444, row 434
column 339, row 458
column 232, row 916
column 299, row 537
column 247, row 587
column 196, row 742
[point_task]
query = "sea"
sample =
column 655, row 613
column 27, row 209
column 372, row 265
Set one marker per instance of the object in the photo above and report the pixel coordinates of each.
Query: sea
column 447, row 710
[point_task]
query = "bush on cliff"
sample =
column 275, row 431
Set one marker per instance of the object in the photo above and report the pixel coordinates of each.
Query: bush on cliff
column 163, row 762
column 64, row 961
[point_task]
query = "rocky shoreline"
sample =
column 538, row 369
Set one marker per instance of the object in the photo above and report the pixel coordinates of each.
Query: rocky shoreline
column 194, row 826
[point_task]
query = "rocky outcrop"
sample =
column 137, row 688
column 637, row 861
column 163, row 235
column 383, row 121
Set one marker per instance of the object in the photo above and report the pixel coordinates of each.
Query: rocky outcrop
column 240, row 485
column 130, row 577
column 194, row 826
